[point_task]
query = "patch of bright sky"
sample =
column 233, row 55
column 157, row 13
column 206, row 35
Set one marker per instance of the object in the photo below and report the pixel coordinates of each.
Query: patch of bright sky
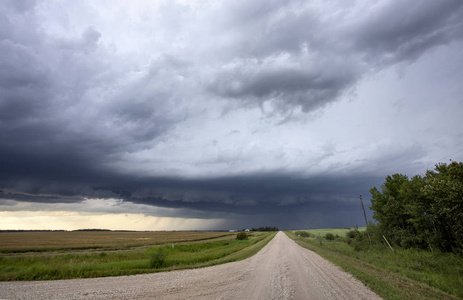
column 94, row 213
column 67, row 220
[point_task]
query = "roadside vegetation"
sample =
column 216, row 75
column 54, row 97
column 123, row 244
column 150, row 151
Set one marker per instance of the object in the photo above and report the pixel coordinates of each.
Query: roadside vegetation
column 415, row 248
column 398, row 274
column 58, row 265
column 422, row 212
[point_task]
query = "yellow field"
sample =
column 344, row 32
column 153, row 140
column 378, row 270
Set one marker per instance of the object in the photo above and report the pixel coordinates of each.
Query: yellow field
column 54, row 240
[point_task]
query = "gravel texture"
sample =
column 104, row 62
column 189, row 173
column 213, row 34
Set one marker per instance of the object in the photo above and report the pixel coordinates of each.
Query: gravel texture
column 281, row 270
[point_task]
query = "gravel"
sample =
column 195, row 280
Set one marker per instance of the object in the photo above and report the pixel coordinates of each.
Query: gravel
column 281, row 270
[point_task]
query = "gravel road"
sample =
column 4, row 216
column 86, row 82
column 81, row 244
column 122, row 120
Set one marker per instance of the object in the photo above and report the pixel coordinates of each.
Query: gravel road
column 281, row 270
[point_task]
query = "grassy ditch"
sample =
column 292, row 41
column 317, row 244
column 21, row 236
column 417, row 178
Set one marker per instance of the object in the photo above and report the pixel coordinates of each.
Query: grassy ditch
column 402, row 274
column 128, row 262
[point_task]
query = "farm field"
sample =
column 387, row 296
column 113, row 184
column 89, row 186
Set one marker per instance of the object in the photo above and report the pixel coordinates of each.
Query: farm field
column 402, row 274
column 179, row 251
column 335, row 231
column 58, row 240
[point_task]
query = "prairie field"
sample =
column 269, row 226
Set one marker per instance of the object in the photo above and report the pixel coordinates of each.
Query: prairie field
column 100, row 254
column 34, row 241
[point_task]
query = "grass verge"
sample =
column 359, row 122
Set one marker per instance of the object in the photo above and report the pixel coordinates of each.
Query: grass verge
column 86, row 265
column 402, row 274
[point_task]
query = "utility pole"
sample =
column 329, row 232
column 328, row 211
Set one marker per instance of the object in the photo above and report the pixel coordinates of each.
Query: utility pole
column 366, row 222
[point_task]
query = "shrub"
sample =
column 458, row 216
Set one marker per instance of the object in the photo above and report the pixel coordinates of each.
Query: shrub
column 361, row 241
column 158, row 258
column 358, row 245
column 242, row 236
column 302, row 233
column 329, row 236
column 353, row 233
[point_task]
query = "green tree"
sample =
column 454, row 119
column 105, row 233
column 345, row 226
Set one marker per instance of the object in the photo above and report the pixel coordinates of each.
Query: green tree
column 419, row 215
column 424, row 212
column 444, row 188
column 390, row 206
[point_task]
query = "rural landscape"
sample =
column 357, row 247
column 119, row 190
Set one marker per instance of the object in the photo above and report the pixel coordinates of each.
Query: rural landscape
column 231, row 149
column 399, row 273
column 422, row 258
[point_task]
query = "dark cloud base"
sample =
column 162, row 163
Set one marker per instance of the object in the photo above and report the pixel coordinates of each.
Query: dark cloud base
column 280, row 200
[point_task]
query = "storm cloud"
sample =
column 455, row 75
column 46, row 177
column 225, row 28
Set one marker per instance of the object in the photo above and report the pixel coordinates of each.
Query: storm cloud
column 255, row 112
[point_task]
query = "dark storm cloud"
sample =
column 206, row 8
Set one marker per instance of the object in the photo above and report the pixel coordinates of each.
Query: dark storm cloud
column 321, row 57
column 41, row 198
column 70, row 106
column 404, row 30
column 285, row 87
column 63, row 114
column 251, row 194
column 276, row 196
column 283, row 200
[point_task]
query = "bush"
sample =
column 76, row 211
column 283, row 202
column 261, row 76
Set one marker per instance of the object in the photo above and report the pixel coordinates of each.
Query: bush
column 158, row 258
column 362, row 240
column 353, row 233
column 302, row 233
column 242, row 236
column 329, row 236
column 358, row 245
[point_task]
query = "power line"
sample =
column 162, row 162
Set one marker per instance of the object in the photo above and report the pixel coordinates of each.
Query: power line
column 439, row 160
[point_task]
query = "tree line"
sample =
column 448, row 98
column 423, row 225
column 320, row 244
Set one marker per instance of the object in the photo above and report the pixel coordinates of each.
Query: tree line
column 421, row 212
column 268, row 228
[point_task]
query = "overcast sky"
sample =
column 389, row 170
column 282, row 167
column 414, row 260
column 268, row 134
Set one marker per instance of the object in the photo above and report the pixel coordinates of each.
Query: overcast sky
column 156, row 115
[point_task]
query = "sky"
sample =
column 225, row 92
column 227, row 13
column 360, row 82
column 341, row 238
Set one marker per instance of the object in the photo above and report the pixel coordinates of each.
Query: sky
column 201, row 115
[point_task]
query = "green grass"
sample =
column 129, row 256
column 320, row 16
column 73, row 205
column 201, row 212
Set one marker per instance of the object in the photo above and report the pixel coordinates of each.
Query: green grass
column 402, row 274
column 127, row 262
column 338, row 231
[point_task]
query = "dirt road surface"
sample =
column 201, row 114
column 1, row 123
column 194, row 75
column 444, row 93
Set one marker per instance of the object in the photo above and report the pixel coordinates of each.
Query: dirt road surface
column 281, row 270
